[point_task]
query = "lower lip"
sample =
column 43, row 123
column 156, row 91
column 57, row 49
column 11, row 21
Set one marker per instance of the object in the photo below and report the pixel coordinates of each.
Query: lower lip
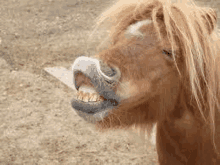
column 92, row 118
column 92, row 111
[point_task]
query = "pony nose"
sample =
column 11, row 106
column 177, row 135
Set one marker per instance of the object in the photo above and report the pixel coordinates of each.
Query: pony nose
column 96, row 70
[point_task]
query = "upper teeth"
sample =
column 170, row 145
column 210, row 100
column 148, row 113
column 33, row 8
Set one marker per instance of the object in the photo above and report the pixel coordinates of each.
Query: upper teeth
column 87, row 94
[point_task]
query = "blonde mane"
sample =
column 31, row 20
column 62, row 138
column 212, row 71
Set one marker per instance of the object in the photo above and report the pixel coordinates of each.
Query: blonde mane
column 186, row 25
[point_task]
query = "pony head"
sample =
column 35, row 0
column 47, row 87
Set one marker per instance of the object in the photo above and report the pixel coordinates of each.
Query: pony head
column 161, row 66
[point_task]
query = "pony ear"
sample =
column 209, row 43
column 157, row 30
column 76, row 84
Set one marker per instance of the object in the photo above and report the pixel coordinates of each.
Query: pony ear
column 210, row 18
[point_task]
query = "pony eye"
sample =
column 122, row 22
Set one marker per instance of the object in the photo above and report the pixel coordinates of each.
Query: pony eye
column 168, row 53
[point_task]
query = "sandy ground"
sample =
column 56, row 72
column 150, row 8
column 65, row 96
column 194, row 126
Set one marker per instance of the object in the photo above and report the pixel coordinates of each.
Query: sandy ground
column 37, row 123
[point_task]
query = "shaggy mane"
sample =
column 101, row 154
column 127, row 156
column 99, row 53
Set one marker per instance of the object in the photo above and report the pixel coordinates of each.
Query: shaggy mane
column 189, row 27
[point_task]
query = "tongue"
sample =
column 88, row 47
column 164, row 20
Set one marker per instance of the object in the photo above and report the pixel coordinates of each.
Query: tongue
column 87, row 89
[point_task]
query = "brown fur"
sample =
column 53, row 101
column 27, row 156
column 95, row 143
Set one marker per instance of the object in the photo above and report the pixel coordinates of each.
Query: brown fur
column 180, row 94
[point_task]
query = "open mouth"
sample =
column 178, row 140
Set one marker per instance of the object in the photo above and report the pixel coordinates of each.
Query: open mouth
column 93, row 101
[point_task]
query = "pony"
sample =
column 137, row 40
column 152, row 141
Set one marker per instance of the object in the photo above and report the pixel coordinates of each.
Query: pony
column 161, row 66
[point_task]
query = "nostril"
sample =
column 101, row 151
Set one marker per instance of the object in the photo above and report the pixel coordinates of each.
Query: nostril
column 108, row 71
column 111, row 74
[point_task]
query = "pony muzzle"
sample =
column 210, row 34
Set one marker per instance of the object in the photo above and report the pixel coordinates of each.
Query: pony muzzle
column 96, row 98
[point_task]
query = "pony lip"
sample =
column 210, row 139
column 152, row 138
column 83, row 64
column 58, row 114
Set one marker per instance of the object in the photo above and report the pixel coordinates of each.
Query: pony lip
column 93, row 111
column 102, row 87
column 84, row 110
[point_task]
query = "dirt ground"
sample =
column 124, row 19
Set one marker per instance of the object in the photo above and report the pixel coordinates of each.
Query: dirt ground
column 37, row 123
